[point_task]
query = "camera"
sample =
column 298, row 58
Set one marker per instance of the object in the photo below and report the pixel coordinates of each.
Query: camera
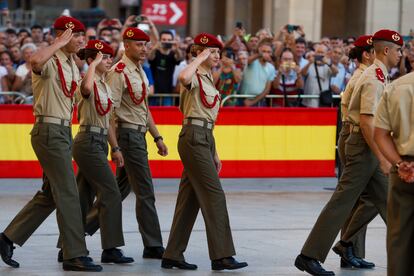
column 319, row 57
column 239, row 25
column 291, row 28
column 287, row 65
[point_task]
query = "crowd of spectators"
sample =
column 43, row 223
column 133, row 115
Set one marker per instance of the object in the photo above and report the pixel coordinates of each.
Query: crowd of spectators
column 259, row 64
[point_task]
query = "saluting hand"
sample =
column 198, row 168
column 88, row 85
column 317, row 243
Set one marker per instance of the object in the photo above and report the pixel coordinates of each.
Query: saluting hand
column 162, row 148
column 98, row 58
column 64, row 38
column 204, row 54
column 117, row 158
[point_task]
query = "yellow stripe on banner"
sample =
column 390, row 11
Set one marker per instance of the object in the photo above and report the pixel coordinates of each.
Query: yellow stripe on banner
column 233, row 142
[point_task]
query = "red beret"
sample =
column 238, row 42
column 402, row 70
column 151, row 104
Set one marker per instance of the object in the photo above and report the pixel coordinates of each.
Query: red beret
column 135, row 34
column 67, row 22
column 363, row 41
column 207, row 40
column 101, row 46
column 388, row 35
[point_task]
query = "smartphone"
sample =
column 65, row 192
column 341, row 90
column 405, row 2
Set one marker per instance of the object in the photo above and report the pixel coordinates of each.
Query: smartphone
column 290, row 28
column 239, row 25
column 138, row 19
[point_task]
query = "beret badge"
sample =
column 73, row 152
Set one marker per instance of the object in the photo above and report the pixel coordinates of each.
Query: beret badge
column 204, row 40
column 69, row 25
column 369, row 41
column 99, row 45
column 130, row 33
column 395, row 37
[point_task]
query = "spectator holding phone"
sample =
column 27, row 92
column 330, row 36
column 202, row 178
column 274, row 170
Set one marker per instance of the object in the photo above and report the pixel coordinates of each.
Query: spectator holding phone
column 163, row 58
column 236, row 42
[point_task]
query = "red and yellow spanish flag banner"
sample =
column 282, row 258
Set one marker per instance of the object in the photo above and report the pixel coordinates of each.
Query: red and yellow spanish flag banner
column 251, row 142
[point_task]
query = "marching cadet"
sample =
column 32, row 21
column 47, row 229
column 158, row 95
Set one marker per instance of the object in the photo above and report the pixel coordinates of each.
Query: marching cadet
column 90, row 150
column 394, row 115
column 129, row 86
column 365, row 166
column 200, row 186
column 55, row 81
column 364, row 53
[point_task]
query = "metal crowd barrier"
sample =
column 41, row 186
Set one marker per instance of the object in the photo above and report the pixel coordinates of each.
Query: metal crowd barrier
column 18, row 97
column 236, row 96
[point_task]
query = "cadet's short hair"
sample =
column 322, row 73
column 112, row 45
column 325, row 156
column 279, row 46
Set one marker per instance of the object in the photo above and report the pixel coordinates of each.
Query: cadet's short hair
column 195, row 48
column 379, row 45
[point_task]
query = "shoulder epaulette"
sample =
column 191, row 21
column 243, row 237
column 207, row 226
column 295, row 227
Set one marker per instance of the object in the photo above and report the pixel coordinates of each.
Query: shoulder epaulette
column 120, row 67
column 380, row 75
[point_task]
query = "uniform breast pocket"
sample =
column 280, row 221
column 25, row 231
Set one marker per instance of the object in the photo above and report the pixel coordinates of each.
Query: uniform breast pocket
column 137, row 89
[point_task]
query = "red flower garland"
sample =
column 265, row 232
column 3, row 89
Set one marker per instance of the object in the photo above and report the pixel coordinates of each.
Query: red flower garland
column 73, row 86
column 99, row 108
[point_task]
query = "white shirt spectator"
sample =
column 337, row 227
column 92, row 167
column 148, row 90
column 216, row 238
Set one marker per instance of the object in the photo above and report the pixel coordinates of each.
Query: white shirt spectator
column 311, row 83
column 177, row 71
column 22, row 71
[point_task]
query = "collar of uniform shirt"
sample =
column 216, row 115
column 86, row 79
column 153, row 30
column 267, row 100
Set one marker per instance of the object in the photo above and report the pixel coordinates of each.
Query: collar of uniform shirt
column 362, row 66
column 382, row 66
column 62, row 57
column 130, row 65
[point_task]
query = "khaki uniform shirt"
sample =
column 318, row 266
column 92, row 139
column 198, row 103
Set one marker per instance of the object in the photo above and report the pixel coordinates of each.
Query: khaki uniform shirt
column 49, row 99
column 88, row 116
column 396, row 113
column 349, row 89
column 125, row 109
column 367, row 93
column 190, row 101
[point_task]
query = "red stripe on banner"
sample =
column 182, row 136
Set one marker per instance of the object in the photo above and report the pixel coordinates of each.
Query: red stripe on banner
column 173, row 169
column 22, row 114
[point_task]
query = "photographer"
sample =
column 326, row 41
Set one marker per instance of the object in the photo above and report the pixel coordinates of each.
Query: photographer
column 288, row 80
column 318, row 73
column 237, row 42
column 163, row 58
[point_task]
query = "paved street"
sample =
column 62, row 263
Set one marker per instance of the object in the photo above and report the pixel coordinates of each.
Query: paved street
column 270, row 219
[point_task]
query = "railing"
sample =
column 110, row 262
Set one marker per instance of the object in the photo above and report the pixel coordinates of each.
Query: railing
column 19, row 98
column 229, row 97
column 171, row 99
column 164, row 99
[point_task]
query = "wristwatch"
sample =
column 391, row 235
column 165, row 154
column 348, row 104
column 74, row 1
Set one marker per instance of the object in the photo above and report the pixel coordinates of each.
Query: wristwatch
column 156, row 139
column 115, row 149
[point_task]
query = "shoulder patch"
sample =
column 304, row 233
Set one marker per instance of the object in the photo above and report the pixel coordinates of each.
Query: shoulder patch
column 380, row 75
column 120, row 67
